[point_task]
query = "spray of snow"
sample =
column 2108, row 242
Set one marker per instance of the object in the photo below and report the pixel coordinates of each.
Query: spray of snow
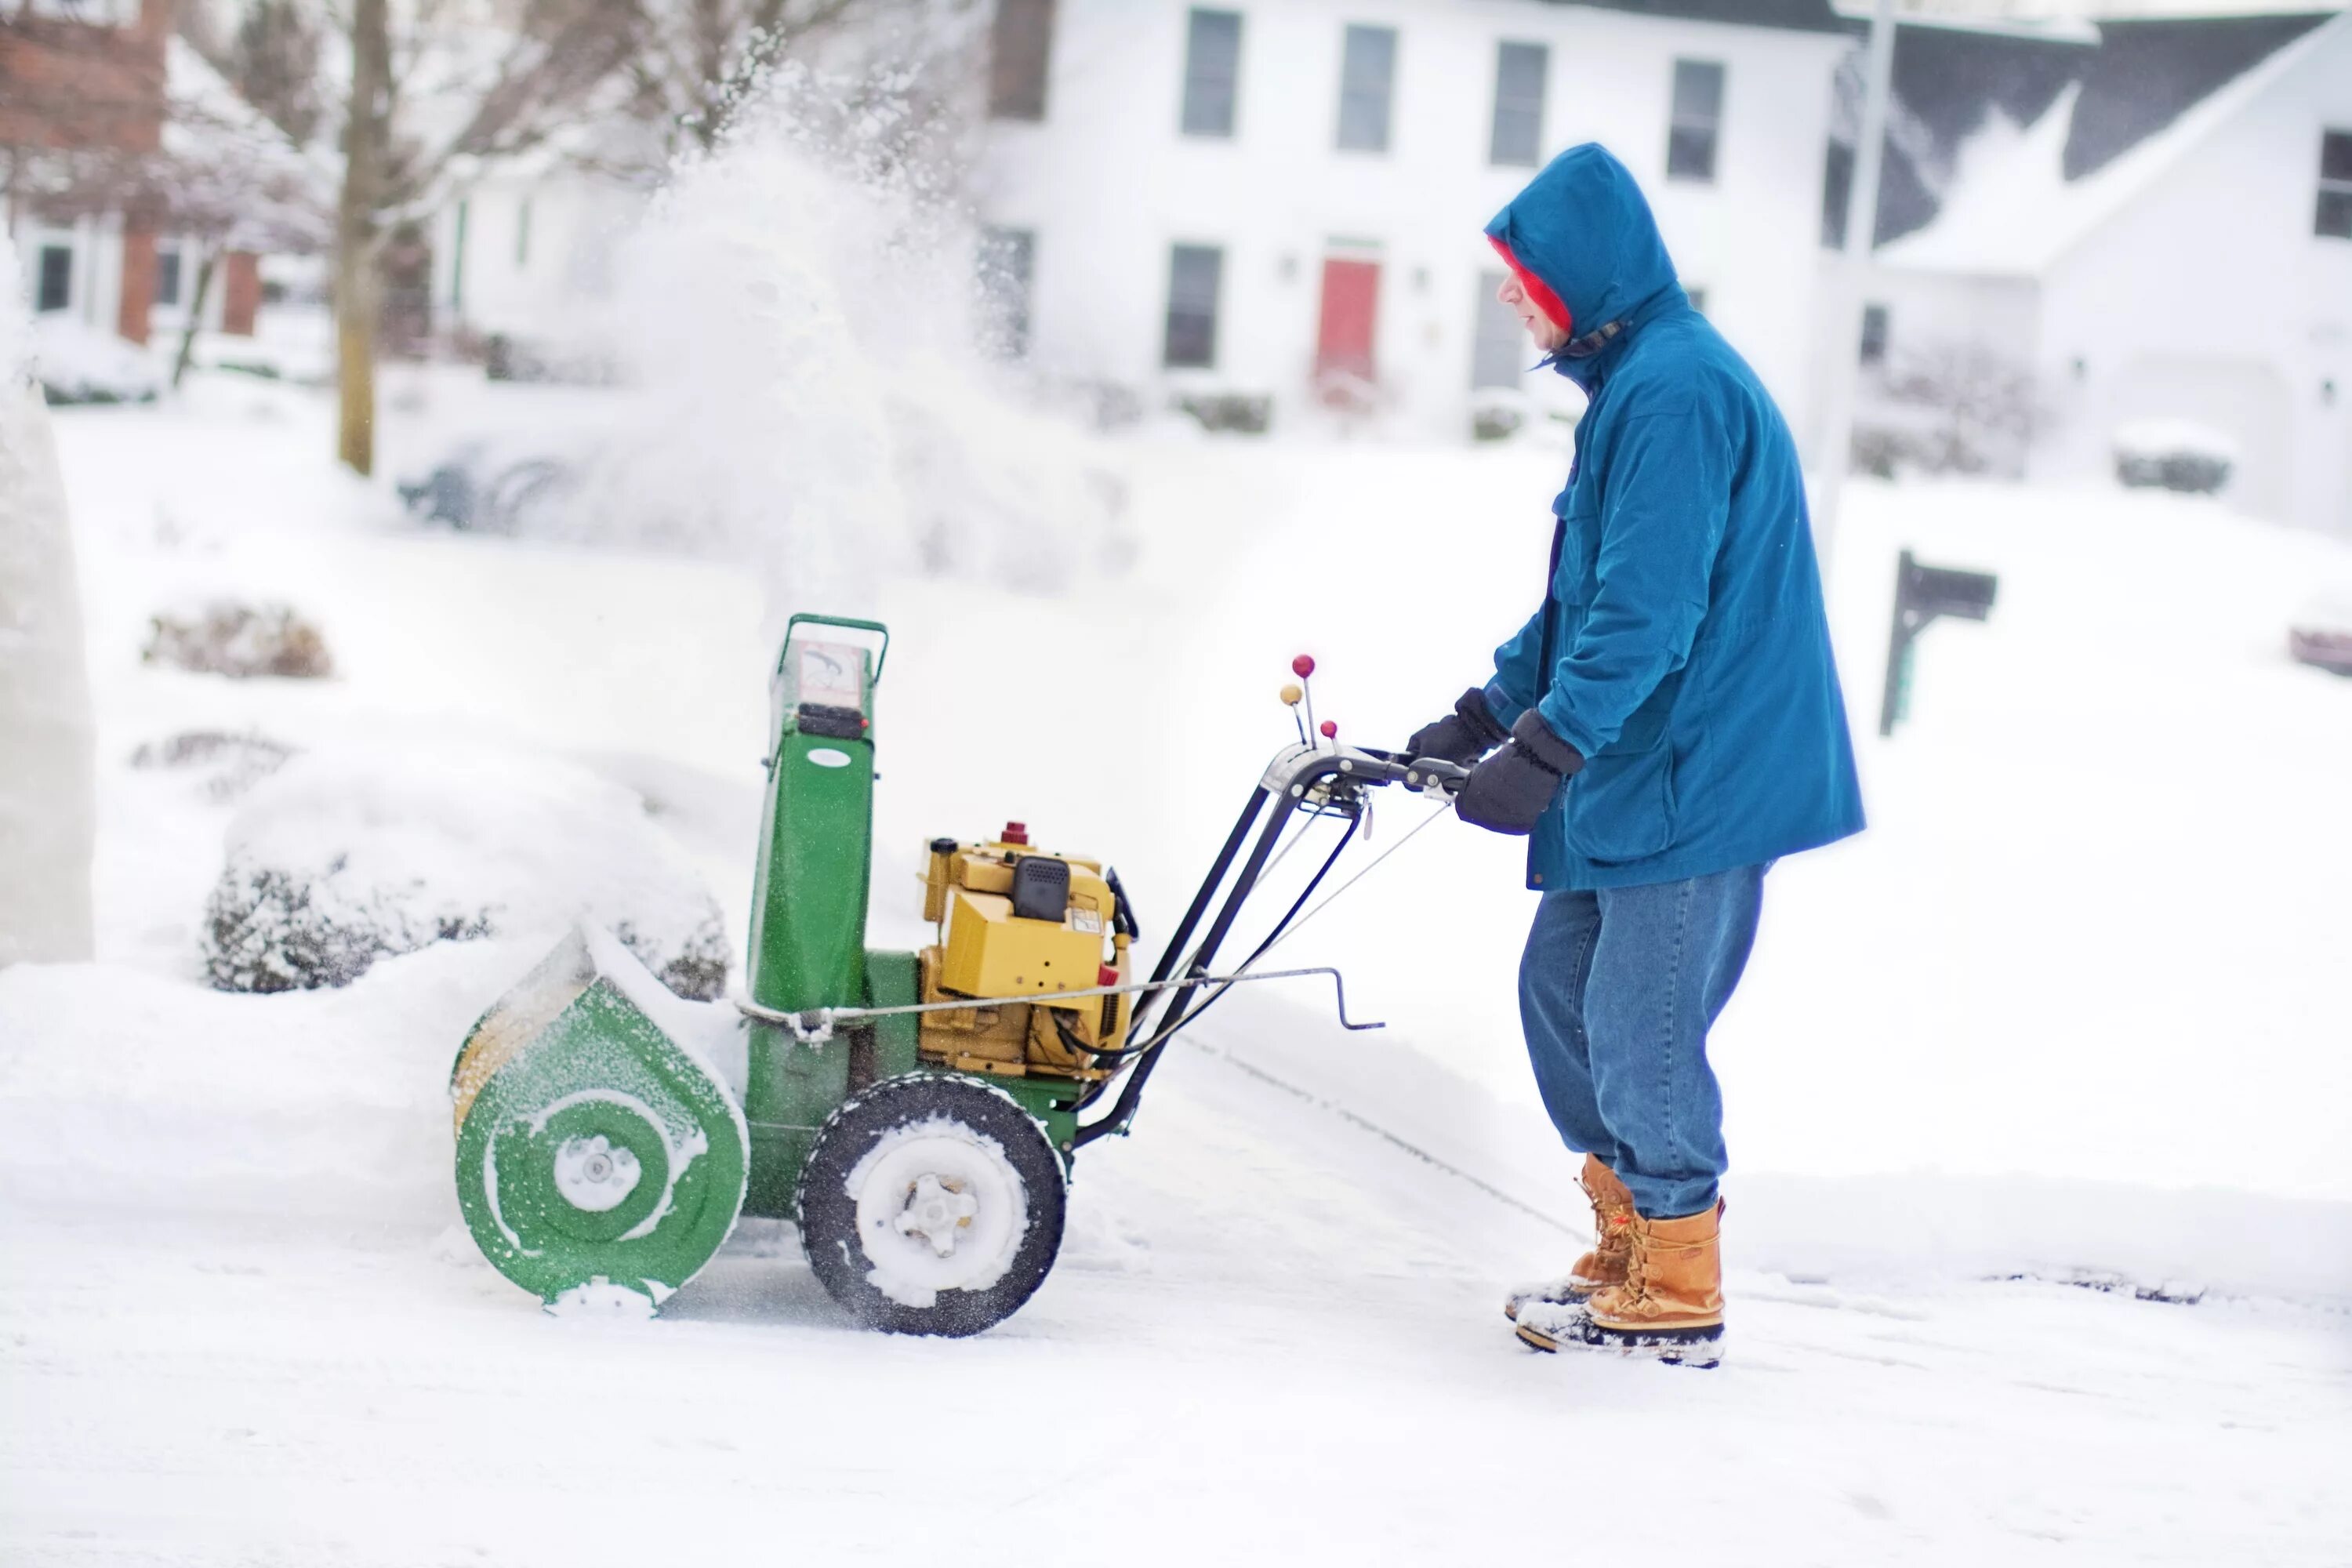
column 800, row 317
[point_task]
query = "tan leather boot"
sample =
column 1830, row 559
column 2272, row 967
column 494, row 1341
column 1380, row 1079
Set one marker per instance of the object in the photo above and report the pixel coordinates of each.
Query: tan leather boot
column 1670, row 1305
column 1612, row 1244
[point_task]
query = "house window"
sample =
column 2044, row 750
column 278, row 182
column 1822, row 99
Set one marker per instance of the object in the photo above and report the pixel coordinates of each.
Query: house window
column 1697, row 118
column 1006, row 257
column 1213, row 64
column 1194, row 272
column 56, row 289
column 1018, row 46
column 1366, row 72
column 2335, row 219
column 1519, row 72
column 167, row 277
column 1500, row 351
column 522, row 234
column 1874, row 334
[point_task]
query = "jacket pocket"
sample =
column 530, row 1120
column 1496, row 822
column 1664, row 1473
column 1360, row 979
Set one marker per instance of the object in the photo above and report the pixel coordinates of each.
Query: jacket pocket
column 1621, row 804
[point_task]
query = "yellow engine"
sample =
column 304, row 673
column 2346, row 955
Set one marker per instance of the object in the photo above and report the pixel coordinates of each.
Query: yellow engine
column 1017, row 922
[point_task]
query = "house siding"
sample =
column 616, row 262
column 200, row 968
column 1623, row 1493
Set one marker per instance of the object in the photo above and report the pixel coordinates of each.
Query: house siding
column 2210, row 298
column 1108, row 184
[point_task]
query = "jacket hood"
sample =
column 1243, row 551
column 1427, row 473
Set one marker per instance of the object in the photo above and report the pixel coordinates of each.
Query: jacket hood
column 1583, row 231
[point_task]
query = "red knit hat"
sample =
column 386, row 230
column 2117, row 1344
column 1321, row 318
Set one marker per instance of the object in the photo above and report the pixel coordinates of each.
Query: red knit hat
column 1537, row 290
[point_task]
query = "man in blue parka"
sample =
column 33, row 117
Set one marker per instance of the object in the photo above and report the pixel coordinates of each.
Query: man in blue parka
column 1669, row 723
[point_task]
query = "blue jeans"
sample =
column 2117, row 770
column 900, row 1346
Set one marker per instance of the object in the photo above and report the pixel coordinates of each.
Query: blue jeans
column 1617, row 991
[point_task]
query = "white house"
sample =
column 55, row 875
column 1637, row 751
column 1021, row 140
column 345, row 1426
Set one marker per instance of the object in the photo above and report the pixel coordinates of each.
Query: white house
column 1284, row 199
column 2202, row 273
column 527, row 241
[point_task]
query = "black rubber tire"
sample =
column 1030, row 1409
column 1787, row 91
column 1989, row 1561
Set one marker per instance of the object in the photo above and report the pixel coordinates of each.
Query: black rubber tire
column 829, row 1213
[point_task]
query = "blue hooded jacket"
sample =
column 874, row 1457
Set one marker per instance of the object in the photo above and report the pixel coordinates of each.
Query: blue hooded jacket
column 1683, row 647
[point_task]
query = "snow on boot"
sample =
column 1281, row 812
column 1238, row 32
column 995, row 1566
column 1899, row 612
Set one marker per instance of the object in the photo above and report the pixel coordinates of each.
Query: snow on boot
column 1613, row 1220
column 1669, row 1309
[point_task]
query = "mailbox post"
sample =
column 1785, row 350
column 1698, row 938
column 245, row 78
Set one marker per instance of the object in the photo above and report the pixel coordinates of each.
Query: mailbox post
column 1922, row 593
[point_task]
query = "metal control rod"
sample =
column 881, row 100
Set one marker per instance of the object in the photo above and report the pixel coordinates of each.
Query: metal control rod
column 814, row 1025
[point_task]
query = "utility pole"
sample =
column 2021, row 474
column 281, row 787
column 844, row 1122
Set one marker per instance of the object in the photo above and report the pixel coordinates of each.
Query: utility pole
column 1844, row 325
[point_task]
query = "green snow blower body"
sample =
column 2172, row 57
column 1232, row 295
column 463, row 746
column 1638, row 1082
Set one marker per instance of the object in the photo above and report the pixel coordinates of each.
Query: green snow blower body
column 609, row 1133
column 914, row 1113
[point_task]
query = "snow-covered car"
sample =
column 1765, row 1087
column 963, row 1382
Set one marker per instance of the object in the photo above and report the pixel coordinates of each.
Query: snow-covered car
column 2322, row 634
column 2173, row 455
column 491, row 485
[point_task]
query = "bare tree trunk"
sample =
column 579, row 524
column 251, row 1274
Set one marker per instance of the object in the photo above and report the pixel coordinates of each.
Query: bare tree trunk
column 356, row 281
column 195, row 314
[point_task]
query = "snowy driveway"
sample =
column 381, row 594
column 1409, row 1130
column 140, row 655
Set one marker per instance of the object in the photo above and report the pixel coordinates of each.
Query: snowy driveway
column 1273, row 1336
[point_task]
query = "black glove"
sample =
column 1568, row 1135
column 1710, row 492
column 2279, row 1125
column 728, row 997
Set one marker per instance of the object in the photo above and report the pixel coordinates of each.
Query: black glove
column 1508, row 790
column 1463, row 736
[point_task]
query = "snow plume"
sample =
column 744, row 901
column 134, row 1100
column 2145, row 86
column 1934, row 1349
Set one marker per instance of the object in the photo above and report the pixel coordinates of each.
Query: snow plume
column 801, row 309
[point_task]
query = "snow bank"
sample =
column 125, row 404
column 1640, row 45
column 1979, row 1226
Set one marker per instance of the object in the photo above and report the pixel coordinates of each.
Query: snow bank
column 46, row 767
column 344, row 857
column 118, row 1087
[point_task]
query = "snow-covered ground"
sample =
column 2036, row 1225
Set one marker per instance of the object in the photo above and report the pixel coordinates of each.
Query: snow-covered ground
column 2074, row 1010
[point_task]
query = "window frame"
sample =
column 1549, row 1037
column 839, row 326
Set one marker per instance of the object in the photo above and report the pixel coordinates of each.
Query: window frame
column 1008, row 290
column 1354, row 93
column 1496, row 154
column 43, row 271
column 1681, row 123
column 2335, row 198
column 1179, row 252
column 1877, row 334
column 1207, row 130
column 1021, row 59
column 169, row 265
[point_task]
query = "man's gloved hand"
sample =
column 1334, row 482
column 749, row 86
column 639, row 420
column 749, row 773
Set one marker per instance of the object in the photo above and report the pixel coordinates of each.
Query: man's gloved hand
column 1508, row 790
column 1463, row 736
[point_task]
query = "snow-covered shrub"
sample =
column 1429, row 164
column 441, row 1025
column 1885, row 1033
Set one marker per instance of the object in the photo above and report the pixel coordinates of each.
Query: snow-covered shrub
column 1951, row 408
column 2173, row 455
column 1232, row 410
column 225, row 637
column 77, row 363
column 226, row 765
column 342, row 859
column 1497, row 414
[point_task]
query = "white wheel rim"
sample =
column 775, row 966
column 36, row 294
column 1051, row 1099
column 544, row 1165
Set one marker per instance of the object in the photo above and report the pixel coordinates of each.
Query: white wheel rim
column 594, row 1175
column 939, row 1207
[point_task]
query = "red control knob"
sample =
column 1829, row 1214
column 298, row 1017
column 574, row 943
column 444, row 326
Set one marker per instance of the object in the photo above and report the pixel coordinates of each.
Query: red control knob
column 1328, row 728
column 1303, row 666
column 1105, row 976
column 1015, row 832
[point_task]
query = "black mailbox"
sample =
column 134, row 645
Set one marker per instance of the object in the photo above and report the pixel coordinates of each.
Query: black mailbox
column 1922, row 593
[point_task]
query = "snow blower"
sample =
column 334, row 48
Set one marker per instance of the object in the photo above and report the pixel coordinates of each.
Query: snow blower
column 916, row 1114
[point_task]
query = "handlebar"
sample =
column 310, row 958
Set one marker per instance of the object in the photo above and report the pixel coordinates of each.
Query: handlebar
column 1295, row 769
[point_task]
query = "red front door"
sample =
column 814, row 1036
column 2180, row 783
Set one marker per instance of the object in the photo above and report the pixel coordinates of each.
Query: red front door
column 1351, row 298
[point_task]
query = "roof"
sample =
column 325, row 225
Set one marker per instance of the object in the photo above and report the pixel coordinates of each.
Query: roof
column 2023, row 194
column 1800, row 15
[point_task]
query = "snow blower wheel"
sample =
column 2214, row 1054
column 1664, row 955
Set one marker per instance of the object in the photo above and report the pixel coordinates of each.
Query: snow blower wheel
column 931, row 1204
